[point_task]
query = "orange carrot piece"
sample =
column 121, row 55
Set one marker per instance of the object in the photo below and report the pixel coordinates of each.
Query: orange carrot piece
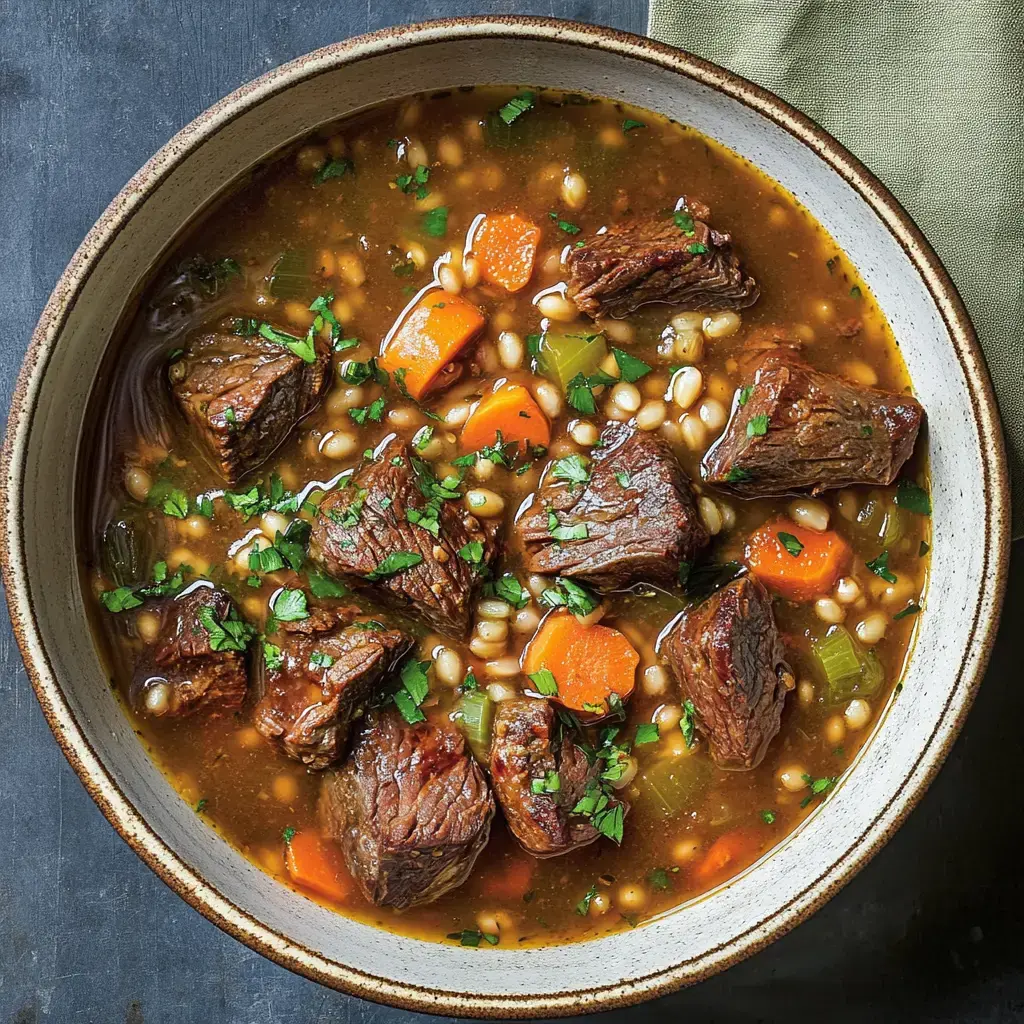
column 505, row 245
column 726, row 855
column 589, row 663
column 430, row 337
column 317, row 864
column 508, row 880
column 511, row 410
column 812, row 571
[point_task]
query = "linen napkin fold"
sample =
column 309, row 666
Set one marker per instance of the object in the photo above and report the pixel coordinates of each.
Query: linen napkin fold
column 929, row 94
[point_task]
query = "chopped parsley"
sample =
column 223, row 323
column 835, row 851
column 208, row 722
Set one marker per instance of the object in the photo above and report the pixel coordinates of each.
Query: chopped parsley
column 744, row 394
column 564, row 225
column 516, row 107
column 508, row 588
column 578, row 598
column 121, row 599
column 473, row 937
column 768, row 817
column 472, row 552
column 323, row 585
column 684, row 222
column 435, row 222
column 290, row 606
column 880, row 567
column 336, row 168
column 422, row 438
column 623, row 478
column 272, row 656
column 739, row 475
column 173, row 501
column 371, row 412
column 646, row 732
column 415, row 183
column 396, row 562
column 551, row 783
column 911, row 609
column 289, row 834
column 227, row 634
column 817, row 787
column 913, row 498
column 757, row 426
column 579, row 391
column 415, row 687
column 304, row 348
column 855, row 292
column 560, row 532
column 572, row 468
column 631, row 368
column 790, row 543
column 659, row 879
column 696, row 248
column 544, row 681
column 629, row 125
column 318, row 659
column 687, row 724
column 426, row 518
column 583, row 907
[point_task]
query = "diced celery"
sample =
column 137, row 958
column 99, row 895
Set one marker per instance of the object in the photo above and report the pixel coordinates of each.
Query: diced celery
column 846, row 668
column 476, row 716
column 562, row 356
column 668, row 785
column 895, row 525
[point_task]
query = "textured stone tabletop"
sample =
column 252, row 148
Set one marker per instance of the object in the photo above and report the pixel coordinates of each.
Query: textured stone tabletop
column 930, row 930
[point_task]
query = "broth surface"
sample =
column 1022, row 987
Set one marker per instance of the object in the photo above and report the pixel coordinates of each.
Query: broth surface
column 354, row 222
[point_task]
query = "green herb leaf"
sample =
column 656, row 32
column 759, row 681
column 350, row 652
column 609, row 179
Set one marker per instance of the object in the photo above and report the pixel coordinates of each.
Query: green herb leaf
column 880, row 567
column 578, row 598
column 473, row 552
column 790, row 543
column 410, row 712
column 304, row 348
column 631, row 368
column 646, row 732
column 508, row 588
column 622, row 478
column 516, row 107
column 817, row 787
column 545, row 682
column 371, row 412
column 687, row 723
column 289, row 834
column 745, row 393
column 583, row 907
column 684, row 222
column 435, row 222
column 336, row 168
column 290, row 606
column 120, row 600
column 564, row 225
column 913, row 498
column 318, row 659
column 629, row 125
column 768, row 817
column 572, row 468
column 175, row 503
column 562, row 533
column 739, row 475
column 551, row 783
column 911, row 609
column 272, row 656
column 757, row 426
column 323, row 586
column 228, row 634
column 396, row 562
column 659, row 879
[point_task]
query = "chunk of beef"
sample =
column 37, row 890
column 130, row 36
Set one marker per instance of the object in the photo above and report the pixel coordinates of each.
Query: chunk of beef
column 804, row 430
column 410, row 809
column 640, row 517
column 730, row 662
column 189, row 669
column 244, row 395
column 524, row 749
column 328, row 670
column 656, row 260
column 430, row 569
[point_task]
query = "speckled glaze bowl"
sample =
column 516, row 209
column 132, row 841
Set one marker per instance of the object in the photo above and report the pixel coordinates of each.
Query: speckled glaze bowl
column 955, row 631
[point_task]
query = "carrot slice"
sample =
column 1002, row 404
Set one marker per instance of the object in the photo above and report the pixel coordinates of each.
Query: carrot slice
column 589, row 663
column 508, row 880
column 797, row 563
column 505, row 245
column 430, row 337
column 511, row 410
column 726, row 855
column 317, row 864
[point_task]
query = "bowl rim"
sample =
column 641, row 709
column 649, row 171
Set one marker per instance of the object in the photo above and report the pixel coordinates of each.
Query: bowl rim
column 102, row 787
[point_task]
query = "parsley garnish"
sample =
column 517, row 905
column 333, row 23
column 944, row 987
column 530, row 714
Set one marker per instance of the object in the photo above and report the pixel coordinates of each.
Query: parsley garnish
column 371, row 412
column 768, row 817
column 509, row 589
column 472, row 937
column 579, row 391
column 583, row 907
column 516, row 107
column 913, row 498
column 551, row 783
column 228, row 634
column 323, row 585
column 631, row 368
column 394, row 563
column 880, row 567
column 304, row 348
column 646, row 732
column 272, row 656
column 544, row 680
column 571, row 468
column 684, row 222
column 818, row 786
column 629, row 125
column 738, row 475
column 757, row 426
column 290, row 606
column 687, row 723
column 336, row 168
column 564, row 225
column 435, row 222
column 659, row 879
column 560, row 532
column 790, row 543
column 415, row 182
column 579, row 599
column 911, row 609
column 745, row 393
column 415, row 687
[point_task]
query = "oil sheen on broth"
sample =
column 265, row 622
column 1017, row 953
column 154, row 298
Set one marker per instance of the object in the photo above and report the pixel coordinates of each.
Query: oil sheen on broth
column 367, row 213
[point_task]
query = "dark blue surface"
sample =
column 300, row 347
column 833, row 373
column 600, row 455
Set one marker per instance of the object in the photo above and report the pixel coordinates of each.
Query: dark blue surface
column 929, row 931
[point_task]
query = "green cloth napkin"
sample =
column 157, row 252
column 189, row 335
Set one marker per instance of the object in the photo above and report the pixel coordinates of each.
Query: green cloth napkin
column 930, row 95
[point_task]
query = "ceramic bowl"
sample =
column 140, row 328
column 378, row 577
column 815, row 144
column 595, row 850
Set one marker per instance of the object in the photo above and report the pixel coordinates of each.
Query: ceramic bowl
column 955, row 631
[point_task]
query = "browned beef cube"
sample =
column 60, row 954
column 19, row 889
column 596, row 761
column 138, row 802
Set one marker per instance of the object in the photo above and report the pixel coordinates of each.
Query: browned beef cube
column 410, row 809
column 656, row 260
column 728, row 657
column 794, row 428
column 195, row 665
column 244, row 395
column 637, row 509
column 328, row 669
column 430, row 569
column 525, row 755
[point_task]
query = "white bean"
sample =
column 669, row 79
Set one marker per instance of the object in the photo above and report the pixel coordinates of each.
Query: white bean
column 695, row 434
column 338, row 444
column 526, row 620
column 872, row 628
column 158, row 698
column 626, row 397
column 810, row 513
column 857, row 714
column 721, row 325
column 501, row 691
column 655, row 680
column 847, row 590
column 510, row 350
column 493, row 608
column 574, row 190
column 557, row 307
column 493, row 631
column 549, row 398
column 687, row 385
column 584, row 433
column 450, row 279
column 710, row 515
column 272, row 523
column 485, row 503
column 792, row 778
column 448, row 667
column 713, row 414
column 651, row 415
column 829, row 611
column 138, row 483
